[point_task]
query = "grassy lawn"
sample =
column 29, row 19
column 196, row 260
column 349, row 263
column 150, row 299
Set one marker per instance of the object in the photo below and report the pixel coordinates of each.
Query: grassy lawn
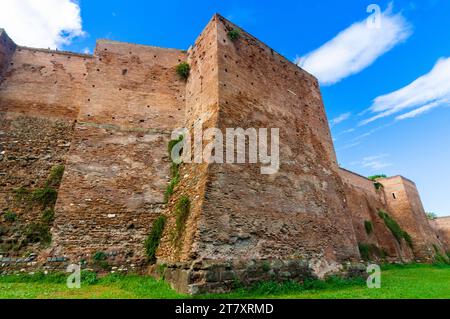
column 410, row 281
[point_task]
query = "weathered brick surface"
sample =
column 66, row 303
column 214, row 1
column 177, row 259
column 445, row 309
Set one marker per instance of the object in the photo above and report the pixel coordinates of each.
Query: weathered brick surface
column 442, row 227
column 109, row 117
column 118, row 167
column 364, row 203
column 406, row 207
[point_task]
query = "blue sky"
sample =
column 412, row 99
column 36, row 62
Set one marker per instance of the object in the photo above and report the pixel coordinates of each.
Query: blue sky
column 386, row 91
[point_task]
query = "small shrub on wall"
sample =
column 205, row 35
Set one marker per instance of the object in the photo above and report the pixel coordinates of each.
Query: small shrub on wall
column 10, row 217
column 154, row 238
column 183, row 70
column 368, row 226
column 182, row 211
column 234, row 34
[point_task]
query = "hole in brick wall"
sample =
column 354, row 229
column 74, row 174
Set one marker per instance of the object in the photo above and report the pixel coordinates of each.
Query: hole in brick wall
column 124, row 71
column 226, row 56
column 100, row 59
column 237, row 75
column 106, row 49
column 148, row 106
column 68, row 57
column 226, row 70
column 120, row 89
column 224, row 41
column 89, row 115
column 93, row 85
column 142, row 121
column 98, row 70
column 89, row 100
column 113, row 117
column 131, row 52
column 12, row 63
column 393, row 195
column 154, row 56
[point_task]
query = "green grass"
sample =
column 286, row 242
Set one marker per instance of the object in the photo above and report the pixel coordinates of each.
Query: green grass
column 397, row 282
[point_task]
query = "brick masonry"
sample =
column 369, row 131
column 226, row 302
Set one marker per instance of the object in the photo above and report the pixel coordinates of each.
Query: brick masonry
column 108, row 118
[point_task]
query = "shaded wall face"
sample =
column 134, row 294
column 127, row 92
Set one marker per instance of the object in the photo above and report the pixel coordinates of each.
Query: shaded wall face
column 297, row 212
column 442, row 229
column 118, row 167
column 406, row 207
column 364, row 202
column 7, row 48
column 39, row 98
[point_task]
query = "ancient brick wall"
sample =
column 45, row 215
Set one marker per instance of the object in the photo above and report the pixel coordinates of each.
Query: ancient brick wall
column 202, row 110
column 39, row 98
column 117, row 167
column 299, row 211
column 406, row 207
column 441, row 226
column 364, row 202
column 293, row 220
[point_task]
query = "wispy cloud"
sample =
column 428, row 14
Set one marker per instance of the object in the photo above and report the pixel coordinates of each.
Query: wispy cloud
column 355, row 48
column 43, row 23
column 374, row 163
column 341, row 118
column 425, row 93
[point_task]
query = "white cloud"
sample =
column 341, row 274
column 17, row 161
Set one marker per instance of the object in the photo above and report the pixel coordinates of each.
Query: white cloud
column 425, row 93
column 341, row 118
column 375, row 163
column 41, row 23
column 355, row 48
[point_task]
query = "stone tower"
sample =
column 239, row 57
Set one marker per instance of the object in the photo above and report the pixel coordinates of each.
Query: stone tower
column 241, row 220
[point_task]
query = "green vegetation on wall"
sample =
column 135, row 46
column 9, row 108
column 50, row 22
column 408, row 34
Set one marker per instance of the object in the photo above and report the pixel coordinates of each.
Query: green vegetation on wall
column 183, row 70
column 395, row 228
column 234, row 34
column 374, row 178
column 368, row 226
column 99, row 260
column 44, row 198
column 154, row 238
column 9, row 216
column 439, row 258
column 368, row 251
column 182, row 210
column 174, row 169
